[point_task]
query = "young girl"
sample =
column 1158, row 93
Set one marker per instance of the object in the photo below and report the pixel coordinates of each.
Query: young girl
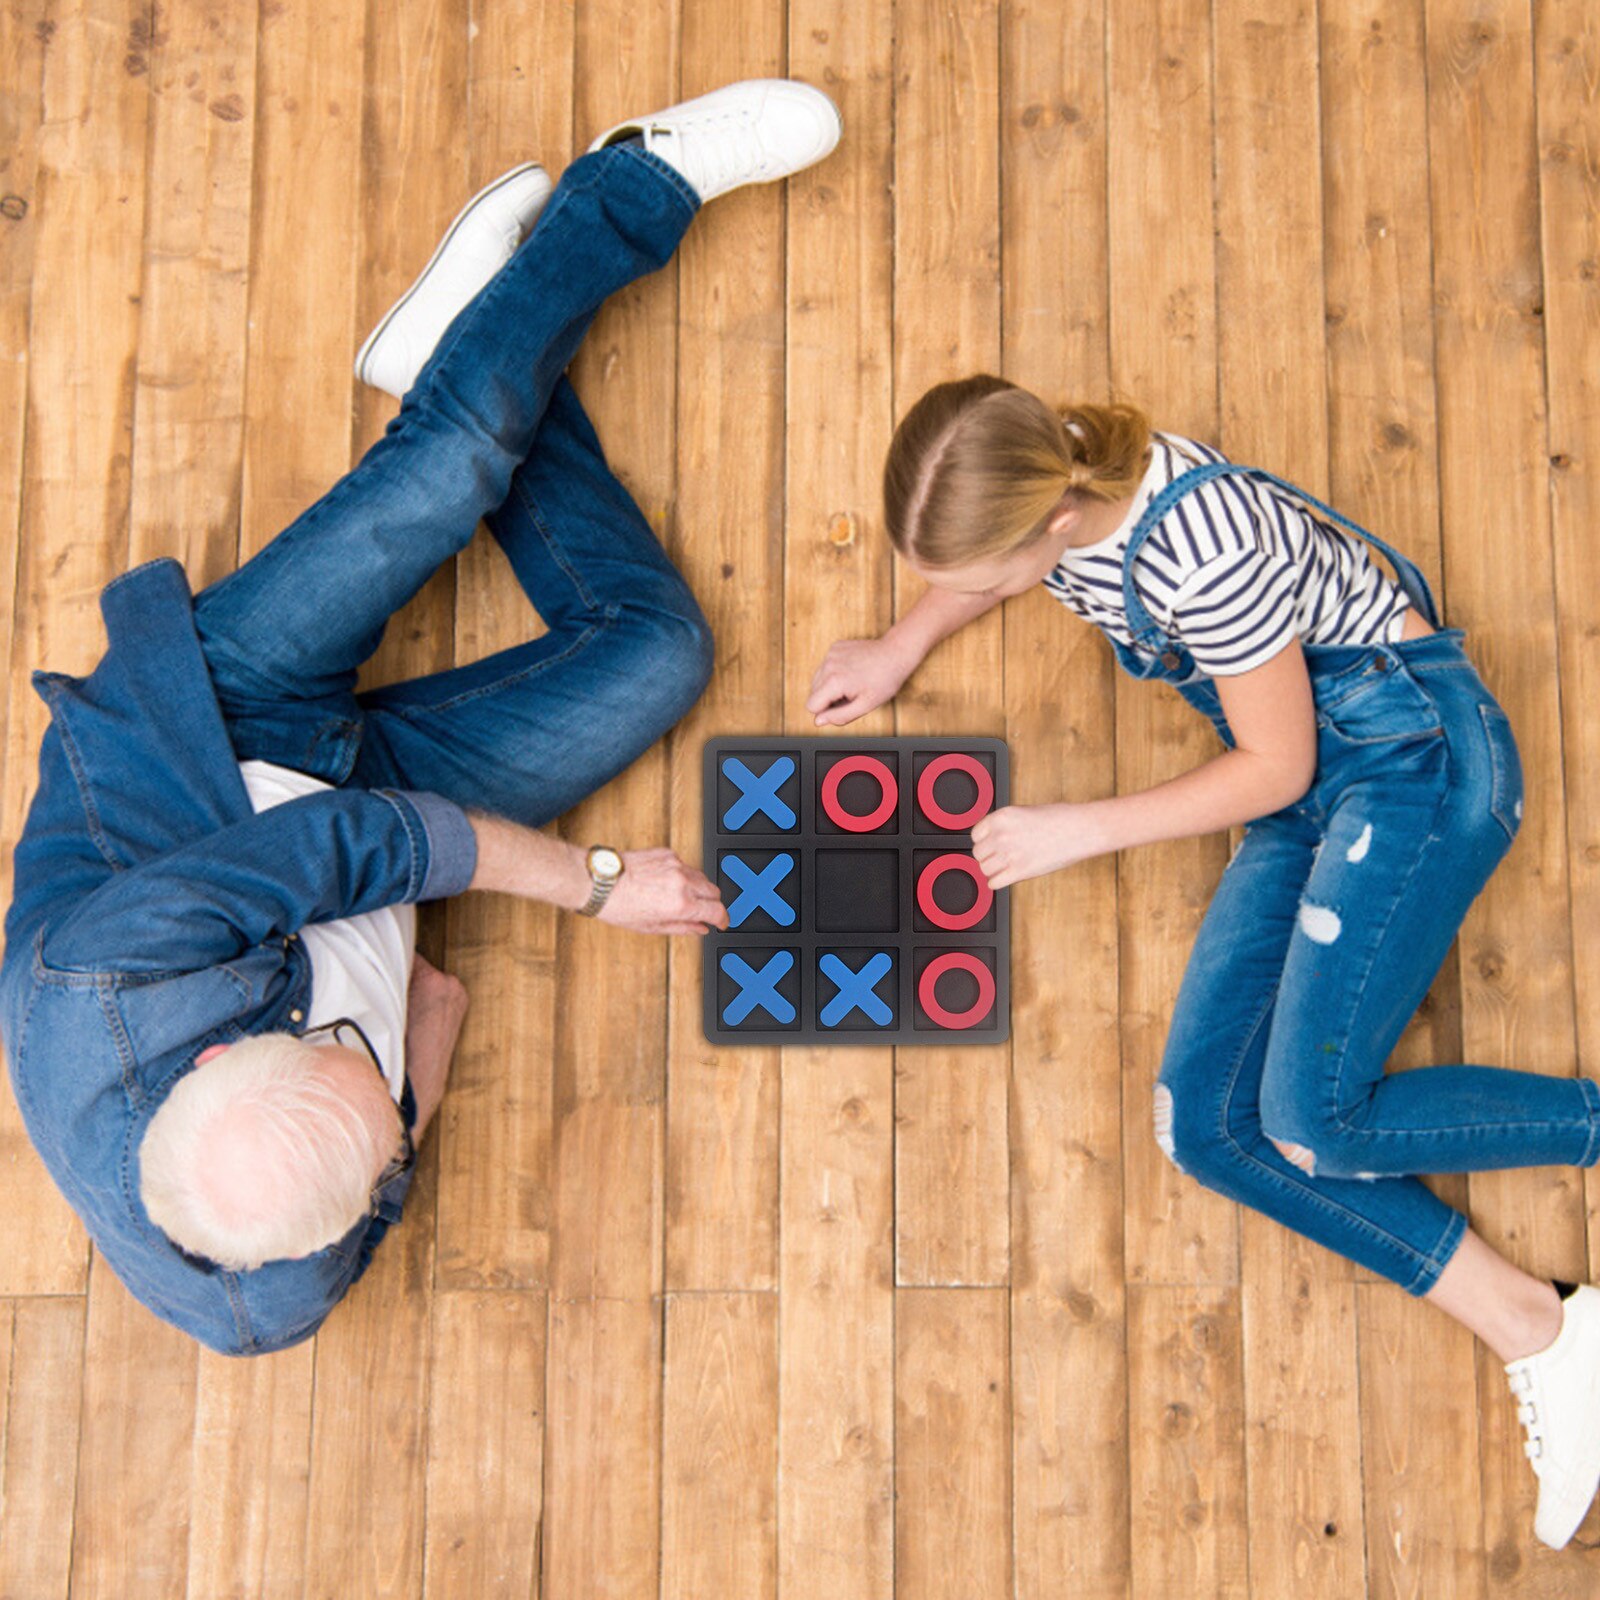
column 1379, row 783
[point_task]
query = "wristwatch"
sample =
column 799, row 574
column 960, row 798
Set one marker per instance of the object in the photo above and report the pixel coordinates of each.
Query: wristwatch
column 605, row 871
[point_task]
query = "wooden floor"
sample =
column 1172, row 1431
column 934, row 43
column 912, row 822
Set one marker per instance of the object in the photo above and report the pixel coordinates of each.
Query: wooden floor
column 668, row 1320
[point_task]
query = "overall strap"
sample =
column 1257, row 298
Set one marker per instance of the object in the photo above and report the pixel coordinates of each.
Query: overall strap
column 1143, row 625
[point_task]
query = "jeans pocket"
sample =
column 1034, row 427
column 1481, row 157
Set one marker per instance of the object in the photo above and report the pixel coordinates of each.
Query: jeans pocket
column 1505, row 768
column 1380, row 704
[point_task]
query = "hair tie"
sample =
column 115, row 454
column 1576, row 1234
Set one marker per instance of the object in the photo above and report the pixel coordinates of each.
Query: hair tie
column 1080, row 475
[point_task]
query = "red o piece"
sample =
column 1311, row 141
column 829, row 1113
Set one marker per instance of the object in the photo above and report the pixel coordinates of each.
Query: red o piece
column 955, row 921
column 956, row 961
column 955, row 761
column 847, row 820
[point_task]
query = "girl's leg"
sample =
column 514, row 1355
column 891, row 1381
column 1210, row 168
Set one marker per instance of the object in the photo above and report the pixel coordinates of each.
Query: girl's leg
column 1513, row 1312
column 1208, row 1112
column 1405, row 855
column 529, row 731
column 286, row 633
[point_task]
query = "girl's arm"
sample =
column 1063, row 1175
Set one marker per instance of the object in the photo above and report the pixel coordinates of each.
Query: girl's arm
column 857, row 675
column 1271, row 713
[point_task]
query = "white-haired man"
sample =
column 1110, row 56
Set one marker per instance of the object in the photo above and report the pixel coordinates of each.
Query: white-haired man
column 221, row 1040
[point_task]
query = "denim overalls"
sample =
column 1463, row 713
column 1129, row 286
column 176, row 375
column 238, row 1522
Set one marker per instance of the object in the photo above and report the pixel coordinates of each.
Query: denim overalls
column 1325, row 932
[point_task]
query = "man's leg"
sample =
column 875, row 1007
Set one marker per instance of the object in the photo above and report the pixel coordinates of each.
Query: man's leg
column 285, row 635
column 529, row 731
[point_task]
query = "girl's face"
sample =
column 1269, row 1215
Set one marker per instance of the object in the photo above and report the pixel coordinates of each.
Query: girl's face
column 1001, row 577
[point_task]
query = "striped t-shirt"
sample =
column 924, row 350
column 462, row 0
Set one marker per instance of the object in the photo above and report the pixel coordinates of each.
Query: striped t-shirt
column 1234, row 571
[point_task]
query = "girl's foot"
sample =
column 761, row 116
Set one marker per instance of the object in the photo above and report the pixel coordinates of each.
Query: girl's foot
column 1558, row 1402
column 476, row 245
column 751, row 132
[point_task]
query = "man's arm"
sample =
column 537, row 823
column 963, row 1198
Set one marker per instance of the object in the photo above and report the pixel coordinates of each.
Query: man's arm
column 337, row 854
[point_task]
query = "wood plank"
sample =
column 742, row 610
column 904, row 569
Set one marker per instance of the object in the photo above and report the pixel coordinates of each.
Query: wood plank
column 1163, row 357
column 304, row 238
column 189, row 380
column 130, row 1532
column 485, row 1445
column 722, row 1105
column 720, row 1447
column 23, row 33
column 1566, row 69
column 1301, row 1392
column 369, row 1429
column 1516, row 959
column 495, row 1128
column 74, row 527
column 836, row 1307
column 1424, row 1511
column 1068, row 1353
column 1186, row 1442
column 251, row 1476
column 604, row 1446
column 1420, row 1481
column 603, row 1449
column 952, row 1444
column 414, row 180
column 40, row 1470
column 951, row 1221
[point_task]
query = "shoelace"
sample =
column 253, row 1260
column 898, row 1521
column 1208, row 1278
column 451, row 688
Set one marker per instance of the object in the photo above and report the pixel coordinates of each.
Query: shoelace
column 721, row 157
column 1527, row 1414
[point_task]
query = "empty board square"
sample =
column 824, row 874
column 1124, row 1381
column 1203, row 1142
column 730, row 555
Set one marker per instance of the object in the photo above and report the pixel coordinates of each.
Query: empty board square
column 760, row 888
column 758, row 791
column 758, row 988
column 858, row 989
column 954, row 990
column 856, row 891
column 953, row 789
column 858, row 793
column 950, row 893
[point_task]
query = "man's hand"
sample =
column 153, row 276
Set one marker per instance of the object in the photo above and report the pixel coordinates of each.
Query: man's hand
column 658, row 893
column 435, row 1009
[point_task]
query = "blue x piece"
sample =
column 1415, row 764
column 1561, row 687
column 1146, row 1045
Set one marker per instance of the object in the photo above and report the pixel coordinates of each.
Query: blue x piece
column 758, row 796
column 856, row 990
column 759, row 890
column 757, row 988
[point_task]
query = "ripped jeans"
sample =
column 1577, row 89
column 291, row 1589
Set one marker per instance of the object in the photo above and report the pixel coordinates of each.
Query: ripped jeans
column 1326, row 930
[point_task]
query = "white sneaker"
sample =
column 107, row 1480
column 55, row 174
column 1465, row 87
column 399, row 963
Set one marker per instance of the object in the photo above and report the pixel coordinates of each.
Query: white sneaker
column 750, row 132
column 1558, row 1403
column 476, row 245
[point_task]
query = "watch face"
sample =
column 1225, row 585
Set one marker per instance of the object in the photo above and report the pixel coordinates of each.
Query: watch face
column 605, row 864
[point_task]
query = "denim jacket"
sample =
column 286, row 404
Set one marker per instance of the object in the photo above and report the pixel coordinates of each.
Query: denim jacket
column 155, row 914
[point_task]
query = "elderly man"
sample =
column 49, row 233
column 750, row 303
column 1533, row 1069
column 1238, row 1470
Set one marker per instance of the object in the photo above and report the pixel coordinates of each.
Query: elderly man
column 219, row 1038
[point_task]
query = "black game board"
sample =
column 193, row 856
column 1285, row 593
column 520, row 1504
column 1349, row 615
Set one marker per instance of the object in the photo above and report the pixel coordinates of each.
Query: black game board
column 858, row 914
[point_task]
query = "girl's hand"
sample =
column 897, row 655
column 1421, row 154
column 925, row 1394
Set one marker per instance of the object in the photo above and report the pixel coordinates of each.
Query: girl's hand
column 857, row 675
column 1018, row 842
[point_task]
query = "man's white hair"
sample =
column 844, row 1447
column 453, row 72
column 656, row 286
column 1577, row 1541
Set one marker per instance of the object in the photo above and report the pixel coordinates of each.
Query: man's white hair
column 257, row 1156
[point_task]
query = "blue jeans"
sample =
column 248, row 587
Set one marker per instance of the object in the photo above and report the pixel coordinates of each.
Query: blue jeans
column 1328, row 927
column 490, row 430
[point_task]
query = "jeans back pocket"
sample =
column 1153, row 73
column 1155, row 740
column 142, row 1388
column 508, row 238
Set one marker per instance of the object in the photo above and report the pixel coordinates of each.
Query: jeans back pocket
column 1505, row 767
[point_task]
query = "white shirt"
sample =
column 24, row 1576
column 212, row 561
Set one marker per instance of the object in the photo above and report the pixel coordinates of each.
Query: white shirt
column 360, row 966
column 1234, row 571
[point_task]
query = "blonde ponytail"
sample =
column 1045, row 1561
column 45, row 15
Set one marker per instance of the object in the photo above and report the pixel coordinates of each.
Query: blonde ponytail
column 977, row 467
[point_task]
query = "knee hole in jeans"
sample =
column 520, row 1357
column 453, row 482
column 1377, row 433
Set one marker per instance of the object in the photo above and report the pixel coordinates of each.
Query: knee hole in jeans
column 1296, row 1154
column 1163, row 1124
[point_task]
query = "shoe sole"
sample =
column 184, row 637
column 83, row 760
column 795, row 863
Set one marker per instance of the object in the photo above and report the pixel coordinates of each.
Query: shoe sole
column 363, row 354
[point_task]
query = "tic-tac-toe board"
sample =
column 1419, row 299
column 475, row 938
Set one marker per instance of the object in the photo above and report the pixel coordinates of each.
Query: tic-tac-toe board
column 857, row 914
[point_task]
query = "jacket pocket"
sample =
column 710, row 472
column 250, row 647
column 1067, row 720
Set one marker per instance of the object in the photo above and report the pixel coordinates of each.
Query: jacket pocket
column 1505, row 768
